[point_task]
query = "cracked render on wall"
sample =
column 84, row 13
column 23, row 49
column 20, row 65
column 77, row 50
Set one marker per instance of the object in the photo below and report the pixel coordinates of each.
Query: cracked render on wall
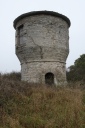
column 42, row 46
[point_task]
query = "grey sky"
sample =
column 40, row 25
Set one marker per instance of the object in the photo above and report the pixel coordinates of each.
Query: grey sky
column 10, row 9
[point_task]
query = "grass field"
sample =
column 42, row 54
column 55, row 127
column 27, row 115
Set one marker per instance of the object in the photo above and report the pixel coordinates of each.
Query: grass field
column 38, row 106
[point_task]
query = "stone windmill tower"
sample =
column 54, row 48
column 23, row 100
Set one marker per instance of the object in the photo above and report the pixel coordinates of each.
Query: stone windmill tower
column 42, row 46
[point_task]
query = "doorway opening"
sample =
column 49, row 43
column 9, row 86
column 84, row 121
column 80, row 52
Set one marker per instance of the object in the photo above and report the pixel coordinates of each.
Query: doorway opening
column 49, row 78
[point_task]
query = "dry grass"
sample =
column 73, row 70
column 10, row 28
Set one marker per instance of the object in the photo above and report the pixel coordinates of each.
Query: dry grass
column 38, row 106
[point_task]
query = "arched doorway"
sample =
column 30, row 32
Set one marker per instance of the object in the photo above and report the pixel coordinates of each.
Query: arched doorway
column 49, row 78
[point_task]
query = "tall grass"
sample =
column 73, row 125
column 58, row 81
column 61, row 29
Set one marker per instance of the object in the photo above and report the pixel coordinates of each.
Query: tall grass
column 24, row 105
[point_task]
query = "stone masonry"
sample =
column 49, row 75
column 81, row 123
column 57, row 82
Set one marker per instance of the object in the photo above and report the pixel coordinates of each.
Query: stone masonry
column 42, row 46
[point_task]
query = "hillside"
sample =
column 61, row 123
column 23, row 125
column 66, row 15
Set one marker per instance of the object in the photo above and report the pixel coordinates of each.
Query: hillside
column 37, row 106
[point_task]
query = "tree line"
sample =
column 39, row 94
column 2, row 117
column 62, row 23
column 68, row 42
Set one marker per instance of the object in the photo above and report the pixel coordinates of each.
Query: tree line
column 76, row 72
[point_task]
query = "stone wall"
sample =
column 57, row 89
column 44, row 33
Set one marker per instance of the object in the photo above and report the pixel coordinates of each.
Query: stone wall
column 34, row 72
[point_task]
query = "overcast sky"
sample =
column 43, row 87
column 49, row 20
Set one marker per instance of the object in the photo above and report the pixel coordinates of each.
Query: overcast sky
column 10, row 9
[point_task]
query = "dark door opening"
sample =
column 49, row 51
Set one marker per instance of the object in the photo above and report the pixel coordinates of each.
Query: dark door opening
column 49, row 78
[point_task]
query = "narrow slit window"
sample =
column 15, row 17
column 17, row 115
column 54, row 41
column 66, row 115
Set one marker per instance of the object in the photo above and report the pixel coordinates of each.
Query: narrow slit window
column 20, row 28
column 20, row 33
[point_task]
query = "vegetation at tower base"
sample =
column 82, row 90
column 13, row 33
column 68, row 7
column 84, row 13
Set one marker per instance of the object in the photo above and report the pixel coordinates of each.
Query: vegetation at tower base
column 24, row 105
column 77, row 71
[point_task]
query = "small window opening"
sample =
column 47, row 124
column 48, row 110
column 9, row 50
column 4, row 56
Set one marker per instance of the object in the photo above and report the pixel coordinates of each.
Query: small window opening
column 20, row 31
column 20, row 28
column 49, row 78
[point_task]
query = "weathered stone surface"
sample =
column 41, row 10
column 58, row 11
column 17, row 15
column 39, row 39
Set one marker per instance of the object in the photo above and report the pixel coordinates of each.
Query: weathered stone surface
column 42, row 46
